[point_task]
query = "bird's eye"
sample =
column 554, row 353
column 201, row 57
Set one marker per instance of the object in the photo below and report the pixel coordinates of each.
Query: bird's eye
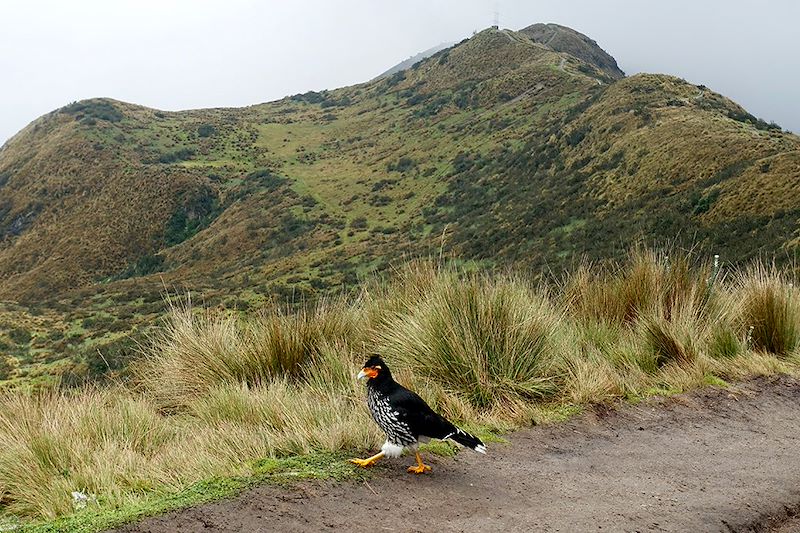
column 378, row 367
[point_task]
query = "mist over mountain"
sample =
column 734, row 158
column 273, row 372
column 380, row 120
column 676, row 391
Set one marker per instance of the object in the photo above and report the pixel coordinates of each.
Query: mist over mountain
column 408, row 63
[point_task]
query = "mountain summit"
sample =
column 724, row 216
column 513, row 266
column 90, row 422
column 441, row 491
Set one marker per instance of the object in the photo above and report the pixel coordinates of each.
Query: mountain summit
column 563, row 39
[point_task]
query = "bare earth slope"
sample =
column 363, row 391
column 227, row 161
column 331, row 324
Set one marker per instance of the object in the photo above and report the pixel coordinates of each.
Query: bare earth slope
column 717, row 460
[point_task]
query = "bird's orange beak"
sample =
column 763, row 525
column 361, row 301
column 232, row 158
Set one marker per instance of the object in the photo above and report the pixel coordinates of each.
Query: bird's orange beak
column 368, row 372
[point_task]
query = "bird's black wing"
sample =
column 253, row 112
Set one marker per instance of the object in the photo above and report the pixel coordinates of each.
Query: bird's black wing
column 421, row 419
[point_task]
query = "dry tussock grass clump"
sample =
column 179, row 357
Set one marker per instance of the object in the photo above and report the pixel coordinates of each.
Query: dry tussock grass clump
column 488, row 340
column 99, row 441
column 770, row 310
column 199, row 349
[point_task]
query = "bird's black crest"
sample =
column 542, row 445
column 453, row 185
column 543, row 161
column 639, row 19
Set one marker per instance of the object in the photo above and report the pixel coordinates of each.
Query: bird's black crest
column 375, row 361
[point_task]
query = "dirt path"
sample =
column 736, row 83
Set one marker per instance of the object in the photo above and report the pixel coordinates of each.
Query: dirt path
column 716, row 460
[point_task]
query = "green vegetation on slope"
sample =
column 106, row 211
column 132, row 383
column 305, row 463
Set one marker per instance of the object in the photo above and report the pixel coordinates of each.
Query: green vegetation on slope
column 220, row 396
column 498, row 150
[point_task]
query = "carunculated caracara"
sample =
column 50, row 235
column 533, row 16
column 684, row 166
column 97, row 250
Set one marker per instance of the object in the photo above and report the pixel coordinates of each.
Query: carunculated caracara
column 405, row 418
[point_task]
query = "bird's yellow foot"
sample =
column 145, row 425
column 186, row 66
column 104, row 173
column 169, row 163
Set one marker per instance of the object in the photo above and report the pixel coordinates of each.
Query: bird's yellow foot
column 364, row 463
column 419, row 469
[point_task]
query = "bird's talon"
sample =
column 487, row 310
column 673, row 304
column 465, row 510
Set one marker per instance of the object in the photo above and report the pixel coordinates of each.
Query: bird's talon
column 419, row 469
column 369, row 461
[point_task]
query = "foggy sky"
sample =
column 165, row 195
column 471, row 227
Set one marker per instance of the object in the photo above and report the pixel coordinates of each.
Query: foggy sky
column 184, row 54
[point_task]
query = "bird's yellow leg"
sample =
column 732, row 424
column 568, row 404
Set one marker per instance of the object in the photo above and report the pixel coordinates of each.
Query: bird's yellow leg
column 421, row 467
column 369, row 461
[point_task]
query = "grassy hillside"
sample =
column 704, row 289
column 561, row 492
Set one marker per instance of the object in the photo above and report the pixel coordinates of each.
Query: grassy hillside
column 500, row 150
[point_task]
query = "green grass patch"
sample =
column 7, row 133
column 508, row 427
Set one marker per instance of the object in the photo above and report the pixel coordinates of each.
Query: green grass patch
column 557, row 413
column 713, row 381
column 283, row 472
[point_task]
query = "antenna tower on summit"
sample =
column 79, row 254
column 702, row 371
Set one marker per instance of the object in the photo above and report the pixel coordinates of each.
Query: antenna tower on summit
column 496, row 24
